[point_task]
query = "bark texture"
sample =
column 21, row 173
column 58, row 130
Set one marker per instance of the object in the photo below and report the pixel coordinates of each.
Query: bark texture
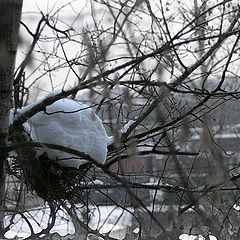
column 10, row 14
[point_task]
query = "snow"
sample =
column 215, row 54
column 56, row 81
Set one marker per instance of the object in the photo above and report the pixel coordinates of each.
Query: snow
column 193, row 237
column 236, row 207
column 71, row 124
column 127, row 126
column 107, row 219
column 97, row 182
column 218, row 136
column 38, row 218
column 11, row 116
column 15, row 114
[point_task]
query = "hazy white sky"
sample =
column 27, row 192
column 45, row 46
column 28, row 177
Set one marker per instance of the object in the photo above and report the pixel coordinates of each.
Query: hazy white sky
column 77, row 14
column 74, row 13
column 68, row 12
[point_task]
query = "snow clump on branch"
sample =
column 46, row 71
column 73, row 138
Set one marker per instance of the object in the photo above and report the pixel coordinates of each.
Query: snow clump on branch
column 71, row 124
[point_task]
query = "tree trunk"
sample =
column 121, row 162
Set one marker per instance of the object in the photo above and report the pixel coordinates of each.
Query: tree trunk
column 10, row 13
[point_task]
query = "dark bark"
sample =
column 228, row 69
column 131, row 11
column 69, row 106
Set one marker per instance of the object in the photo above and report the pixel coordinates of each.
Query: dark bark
column 10, row 13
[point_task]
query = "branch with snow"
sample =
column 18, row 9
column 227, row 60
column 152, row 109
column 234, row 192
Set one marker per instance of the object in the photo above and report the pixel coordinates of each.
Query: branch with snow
column 66, row 123
column 70, row 124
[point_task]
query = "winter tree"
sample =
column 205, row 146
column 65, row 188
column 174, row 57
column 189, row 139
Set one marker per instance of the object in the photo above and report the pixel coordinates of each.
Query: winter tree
column 9, row 24
column 119, row 119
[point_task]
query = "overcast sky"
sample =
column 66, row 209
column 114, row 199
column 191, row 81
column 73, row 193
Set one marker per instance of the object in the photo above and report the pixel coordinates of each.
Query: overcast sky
column 76, row 14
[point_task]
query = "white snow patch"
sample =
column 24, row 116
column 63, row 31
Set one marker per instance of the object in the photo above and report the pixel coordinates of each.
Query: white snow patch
column 38, row 218
column 97, row 182
column 104, row 218
column 71, row 124
column 15, row 114
column 11, row 117
column 127, row 126
column 194, row 237
column 136, row 230
column 236, row 207
column 107, row 219
column 110, row 140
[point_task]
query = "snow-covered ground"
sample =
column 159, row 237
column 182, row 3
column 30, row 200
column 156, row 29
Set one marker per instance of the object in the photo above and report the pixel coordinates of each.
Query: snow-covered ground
column 104, row 218
column 194, row 237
